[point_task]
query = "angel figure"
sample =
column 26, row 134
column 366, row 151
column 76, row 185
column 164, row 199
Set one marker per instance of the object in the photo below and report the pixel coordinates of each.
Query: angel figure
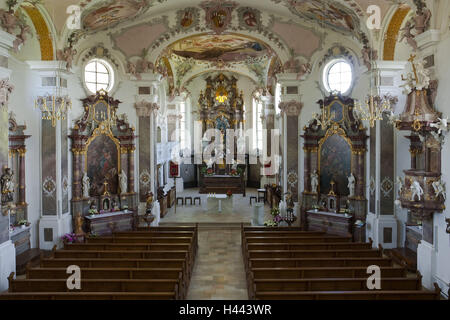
column 392, row 118
column 423, row 76
column 416, row 190
column 441, row 125
column 21, row 37
column 304, row 69
column 439, row 189
column 408, row 85
column 406, row 33
column 368, row 54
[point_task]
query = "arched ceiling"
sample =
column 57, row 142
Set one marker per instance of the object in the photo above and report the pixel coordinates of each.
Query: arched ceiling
column 197, row 35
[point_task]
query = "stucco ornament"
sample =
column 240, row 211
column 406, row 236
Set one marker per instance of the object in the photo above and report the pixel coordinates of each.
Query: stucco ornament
column 218, row 14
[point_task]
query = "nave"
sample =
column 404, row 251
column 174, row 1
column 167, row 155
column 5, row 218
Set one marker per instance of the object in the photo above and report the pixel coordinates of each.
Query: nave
column 186, row 262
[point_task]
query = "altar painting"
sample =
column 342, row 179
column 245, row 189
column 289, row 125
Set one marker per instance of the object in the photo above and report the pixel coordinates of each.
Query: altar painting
column 103, row 164
column 335, row 164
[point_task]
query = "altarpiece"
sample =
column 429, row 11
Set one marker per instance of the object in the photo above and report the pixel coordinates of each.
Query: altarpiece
column 103, row 161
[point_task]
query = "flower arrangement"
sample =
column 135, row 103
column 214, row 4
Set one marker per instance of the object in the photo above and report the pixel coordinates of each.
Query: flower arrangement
column 23, row 223
column 276, row 218
column 93, row 211
column 69, row 238
column 315, row 207
column 207, row 171
column 229, row 193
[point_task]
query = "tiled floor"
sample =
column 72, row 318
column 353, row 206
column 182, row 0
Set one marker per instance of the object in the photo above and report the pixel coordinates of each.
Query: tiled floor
column 242, row 211
column 219, row 270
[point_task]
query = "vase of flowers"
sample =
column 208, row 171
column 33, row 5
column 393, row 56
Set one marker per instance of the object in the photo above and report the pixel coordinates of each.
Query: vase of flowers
column 229, row 193
column 69, row 238
column 315, row 207
column 23, row 224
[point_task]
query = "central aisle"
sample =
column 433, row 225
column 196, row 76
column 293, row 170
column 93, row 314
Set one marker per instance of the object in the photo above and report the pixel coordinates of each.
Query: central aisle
column 219, row 268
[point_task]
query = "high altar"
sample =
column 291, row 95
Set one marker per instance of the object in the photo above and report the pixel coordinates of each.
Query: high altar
column 103, row 168
column 222, row 108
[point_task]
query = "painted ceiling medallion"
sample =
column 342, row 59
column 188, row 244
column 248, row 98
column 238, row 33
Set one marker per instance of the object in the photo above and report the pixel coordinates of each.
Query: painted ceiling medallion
column 249, row 18
column 108, row 15
column 218, row 14
column 188, row 18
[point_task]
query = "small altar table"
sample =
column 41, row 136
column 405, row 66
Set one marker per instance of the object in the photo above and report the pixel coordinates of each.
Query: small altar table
column 107, row 223
column 221, row 184
column 219, row 203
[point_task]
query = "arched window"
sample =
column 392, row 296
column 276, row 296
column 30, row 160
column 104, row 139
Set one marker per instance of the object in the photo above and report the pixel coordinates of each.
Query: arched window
column 98, row 75
column 338, row 76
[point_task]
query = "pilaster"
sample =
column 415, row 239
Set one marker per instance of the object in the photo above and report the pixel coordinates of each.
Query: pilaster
column 55, row 215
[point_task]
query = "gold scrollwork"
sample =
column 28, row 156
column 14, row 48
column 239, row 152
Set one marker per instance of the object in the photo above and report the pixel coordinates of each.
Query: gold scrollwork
column 417, row 125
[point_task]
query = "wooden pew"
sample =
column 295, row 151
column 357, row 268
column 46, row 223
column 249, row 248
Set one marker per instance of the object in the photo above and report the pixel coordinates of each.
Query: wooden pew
column 307, row 246
column 140, row 240
column 298, row 239
column 313, row 253
column 306, row 273
column 114, row 273
column 333, row 284
column 318, row 262
column 96, row 285
column 283, row 233
column 88, row 296
column 113, row 263
column 351, row 295
column 110, row 254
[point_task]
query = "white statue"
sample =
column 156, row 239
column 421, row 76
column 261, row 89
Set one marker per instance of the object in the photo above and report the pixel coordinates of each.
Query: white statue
column 442, row 125
column 400, row 184
column 423, row 75
column 439, row 188
column 86, row 185
column 408, row 85
column 314, row 181
column 123, row 182
column 416, row 190
column 351, row 185
column 393, row 118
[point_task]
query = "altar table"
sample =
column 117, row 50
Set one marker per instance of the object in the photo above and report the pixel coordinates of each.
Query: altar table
column 107, row 223
column 221, row 184
column 220, row 203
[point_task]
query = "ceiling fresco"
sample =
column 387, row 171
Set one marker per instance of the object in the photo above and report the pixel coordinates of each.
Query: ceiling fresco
column 228, row 48
column 113, row 13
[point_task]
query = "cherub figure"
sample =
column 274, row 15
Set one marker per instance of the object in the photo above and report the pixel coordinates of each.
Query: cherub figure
column 439, row 189
column 304, row 69
column 406, row 33
column 442, row 125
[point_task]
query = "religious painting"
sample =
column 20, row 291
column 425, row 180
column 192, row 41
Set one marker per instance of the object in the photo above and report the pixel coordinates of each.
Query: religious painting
column 103, row 164
column 114, row 12
column 249, row 17
column 331, row 14
column 335, row 164
column 188, row 17
column 218, row 14
column 222, row 123
column 227, row 48
column 336, row 112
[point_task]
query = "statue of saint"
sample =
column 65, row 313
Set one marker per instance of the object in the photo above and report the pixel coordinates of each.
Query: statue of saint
column 351, row 185
column 7, row 185
column 86, row 185
column 123, row 182
column 314, row 181
column 416, row 190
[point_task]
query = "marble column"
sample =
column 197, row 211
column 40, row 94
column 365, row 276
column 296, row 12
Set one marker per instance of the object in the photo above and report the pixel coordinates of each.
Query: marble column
column 290, row 106
column 268, row 120
column 147, row 105
column 381, row 221
column 56, row 219
column 7, row 249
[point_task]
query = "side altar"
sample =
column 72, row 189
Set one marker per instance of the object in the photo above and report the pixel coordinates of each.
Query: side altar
column 103, row 168
column 335, row 184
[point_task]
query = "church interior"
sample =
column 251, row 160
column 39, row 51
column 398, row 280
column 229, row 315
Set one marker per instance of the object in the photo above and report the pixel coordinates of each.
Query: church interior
column 224, row 150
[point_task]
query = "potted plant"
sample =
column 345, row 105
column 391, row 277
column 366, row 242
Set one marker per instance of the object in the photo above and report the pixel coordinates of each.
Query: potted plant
column 69, row 238
column 229, row 193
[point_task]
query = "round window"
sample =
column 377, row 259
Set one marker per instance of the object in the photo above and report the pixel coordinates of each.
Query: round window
column 98, row 75
column 338, row 76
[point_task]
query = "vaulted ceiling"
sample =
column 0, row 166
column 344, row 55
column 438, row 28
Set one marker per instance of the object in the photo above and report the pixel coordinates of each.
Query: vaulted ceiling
column 195, row 36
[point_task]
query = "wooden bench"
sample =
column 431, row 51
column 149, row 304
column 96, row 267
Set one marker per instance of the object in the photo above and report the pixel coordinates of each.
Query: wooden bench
column 307, row 246
column 88, row 296
column 318, row 262
column 96, row 285
column 114, row 273
column 113, row 263
column 313, row 253
column 351, row 295
column 334, row 284
column 110, row 254
column 139, row 240
column 298, row 239
column 306, row 273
